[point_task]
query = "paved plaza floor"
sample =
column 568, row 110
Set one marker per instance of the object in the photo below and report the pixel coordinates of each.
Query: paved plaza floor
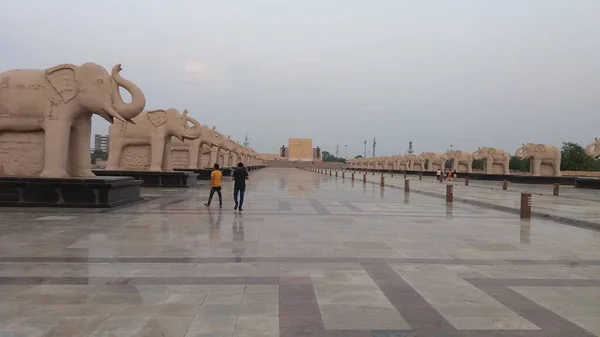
column 311, row 255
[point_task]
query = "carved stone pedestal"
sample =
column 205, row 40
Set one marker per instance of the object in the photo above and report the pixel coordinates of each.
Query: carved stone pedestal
column 95, row 192
column 155, row 179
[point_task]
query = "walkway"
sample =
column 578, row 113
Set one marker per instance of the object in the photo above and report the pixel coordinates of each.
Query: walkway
column 311, row 255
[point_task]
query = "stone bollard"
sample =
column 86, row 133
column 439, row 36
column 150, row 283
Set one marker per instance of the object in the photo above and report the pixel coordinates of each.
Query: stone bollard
column 466, row 181
column 420, row 176
column 525, row 205
column 352, row 176
column 404, row 175
column 364, row 178
column 392, row 173
column 556, row 189
column 406, row 186
column 505, row 184
column 329, row 172
column 449, row 193
column 343, row 174
column 382, row 180
column 373, row 172
column 336, row 173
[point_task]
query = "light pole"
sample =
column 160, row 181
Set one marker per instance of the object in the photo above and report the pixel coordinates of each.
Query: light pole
column 346, row 152
column 365, row 154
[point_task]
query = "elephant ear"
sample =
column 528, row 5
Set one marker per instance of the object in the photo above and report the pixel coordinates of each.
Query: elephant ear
column 157, row 117
column 62, row 78
column 540, row 148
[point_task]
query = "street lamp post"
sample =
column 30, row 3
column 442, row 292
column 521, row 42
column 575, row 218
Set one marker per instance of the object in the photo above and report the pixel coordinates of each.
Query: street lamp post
column 365, row 154
column 346, row 152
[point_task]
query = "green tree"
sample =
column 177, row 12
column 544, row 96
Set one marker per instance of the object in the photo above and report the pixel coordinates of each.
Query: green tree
column 478, row 164
column 359, row 156
column 99, row 155
column 573, row 158
column 328, row 157
column 517, row 164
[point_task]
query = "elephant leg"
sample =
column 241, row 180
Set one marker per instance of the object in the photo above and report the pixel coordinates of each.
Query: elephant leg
column 557, row 172
column 80, row 160
column 194, row 154
column 225, row 159
column 537, row 166
column 507, row 166
column 114, row 155
column 166, row 158
column 157, row 149
column 56, row 135
column 214, row 156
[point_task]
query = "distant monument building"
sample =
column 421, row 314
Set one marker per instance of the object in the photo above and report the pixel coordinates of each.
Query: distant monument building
column 300, row 149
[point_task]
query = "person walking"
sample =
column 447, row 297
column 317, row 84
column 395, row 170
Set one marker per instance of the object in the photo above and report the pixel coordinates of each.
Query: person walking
column 215, row 185
column 439, row 175
column 239, row 177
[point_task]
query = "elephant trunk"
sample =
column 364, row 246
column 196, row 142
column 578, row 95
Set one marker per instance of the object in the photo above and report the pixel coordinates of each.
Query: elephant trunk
column 138, row 100
column 521, row 153
column 593, row 150
column 194, row 131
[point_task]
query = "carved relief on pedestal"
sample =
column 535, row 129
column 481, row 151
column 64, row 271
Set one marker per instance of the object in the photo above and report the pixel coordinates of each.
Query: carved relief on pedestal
column 135, row 158
column 21, row 153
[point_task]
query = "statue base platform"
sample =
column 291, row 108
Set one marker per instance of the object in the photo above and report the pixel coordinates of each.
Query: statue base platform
column 91, row 192
column 591, row 183
column 155, row 179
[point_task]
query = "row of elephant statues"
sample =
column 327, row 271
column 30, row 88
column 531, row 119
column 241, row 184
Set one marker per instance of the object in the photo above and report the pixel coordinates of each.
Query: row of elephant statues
column 46, row 119
column 544, row 160
column 163, row 139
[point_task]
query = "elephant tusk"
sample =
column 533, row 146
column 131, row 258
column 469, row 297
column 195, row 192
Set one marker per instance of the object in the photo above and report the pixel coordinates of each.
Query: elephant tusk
column 112, row 113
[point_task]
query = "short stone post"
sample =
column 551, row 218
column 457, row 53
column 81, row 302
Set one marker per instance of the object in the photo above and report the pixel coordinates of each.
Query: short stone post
column 466, row 181
column 556, row 189
column 392, row 173
column 406, row 186
column 382, row 180
column 449, row 193
column 420, row 175
column 336, row 173
column 364, row 178
column 404, row 175
column 343, row 174
column 525, row 205
column 352, row 176
column 505, row 184
column 373, row 172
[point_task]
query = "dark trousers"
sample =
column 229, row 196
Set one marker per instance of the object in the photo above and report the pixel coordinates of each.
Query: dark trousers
column 212, row 192
column 241, row 191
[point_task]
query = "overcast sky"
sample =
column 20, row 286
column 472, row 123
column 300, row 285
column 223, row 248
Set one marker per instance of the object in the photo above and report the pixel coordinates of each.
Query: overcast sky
column 437, row 72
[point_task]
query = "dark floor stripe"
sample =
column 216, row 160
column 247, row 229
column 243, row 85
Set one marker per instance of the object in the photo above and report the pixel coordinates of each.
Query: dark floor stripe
column 284, row 205
column 275, row 259
column 299, row 313
column 419, row 314
column 534, row 282
column 318, row 206
column 533, row 312
column 139, row 280
column 350, row 206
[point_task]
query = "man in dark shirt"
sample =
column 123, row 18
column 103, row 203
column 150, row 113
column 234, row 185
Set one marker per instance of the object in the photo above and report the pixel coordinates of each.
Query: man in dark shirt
column 240, row 175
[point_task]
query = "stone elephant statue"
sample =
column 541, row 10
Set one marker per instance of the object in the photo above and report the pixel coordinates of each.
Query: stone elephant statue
column 435, row 161
column 60, row 101
column 496, row 161
column 416, row 163
column 153, row 128
column 593, row 148
column 195, row 154
column 544, row 159
column 461, row 161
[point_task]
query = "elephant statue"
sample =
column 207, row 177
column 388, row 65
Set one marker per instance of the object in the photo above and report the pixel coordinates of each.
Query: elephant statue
column 461, row 161
column 415, row 162
column 435, row 161
column 192, row 154
column 496, row 160
column 153, row 128
column 544, row 159
column 593, row 149
column 60, row 101
column 402, row 163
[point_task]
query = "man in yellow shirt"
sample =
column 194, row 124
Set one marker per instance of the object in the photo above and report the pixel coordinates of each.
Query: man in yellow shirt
column 215, row 185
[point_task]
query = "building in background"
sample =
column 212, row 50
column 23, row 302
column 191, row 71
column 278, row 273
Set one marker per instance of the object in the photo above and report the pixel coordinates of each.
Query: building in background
column 101, row 143
column 300, row 149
